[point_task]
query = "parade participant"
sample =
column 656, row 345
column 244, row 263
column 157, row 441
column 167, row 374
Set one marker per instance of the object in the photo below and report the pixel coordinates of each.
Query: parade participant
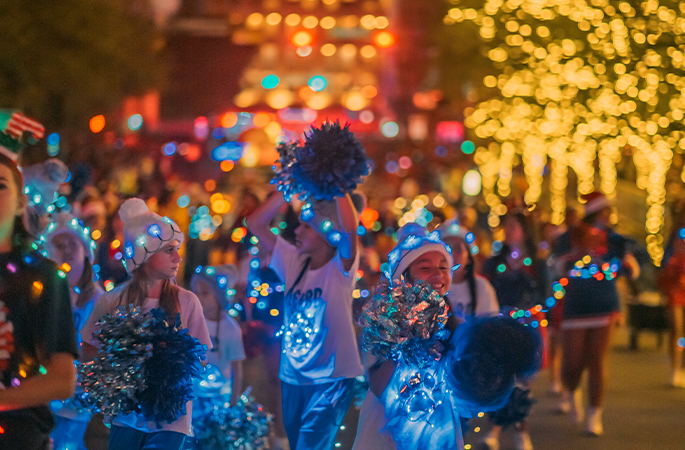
column 591, row 305
column 519, row 278
column 469, row 292
column 151, row 245
column 427, row 260
column 320, row 358
column 416, row 399
column 516, row 273
column 37, row 338
column 70, row 246
column 213, row 286
column 672, row 284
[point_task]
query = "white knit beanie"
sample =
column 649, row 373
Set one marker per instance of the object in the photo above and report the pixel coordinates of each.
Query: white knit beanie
column 68, row 223
column 144, row 232
column 411, row 248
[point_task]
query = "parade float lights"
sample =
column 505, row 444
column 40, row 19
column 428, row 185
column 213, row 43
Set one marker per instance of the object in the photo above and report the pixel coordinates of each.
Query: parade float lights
column 579, row 82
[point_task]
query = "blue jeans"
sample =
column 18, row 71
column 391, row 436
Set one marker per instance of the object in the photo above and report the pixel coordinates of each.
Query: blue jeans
column 125, row 438
column 312, row 414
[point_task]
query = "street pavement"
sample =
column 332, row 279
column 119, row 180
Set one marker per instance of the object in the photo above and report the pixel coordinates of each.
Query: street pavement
column 641, row 410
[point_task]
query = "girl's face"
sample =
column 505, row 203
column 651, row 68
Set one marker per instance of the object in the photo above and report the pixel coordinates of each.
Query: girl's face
column 460, row 255
column 307, row 240
column 69, row 249
column 513, row 231
column 164, row 263
column 207, row 297
column 12, row 201
column 432, row 267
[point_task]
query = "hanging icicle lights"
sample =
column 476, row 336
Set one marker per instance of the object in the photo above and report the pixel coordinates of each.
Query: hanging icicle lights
column 578, row 81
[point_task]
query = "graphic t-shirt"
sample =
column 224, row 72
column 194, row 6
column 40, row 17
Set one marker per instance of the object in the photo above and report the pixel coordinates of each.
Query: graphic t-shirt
column 191, row 318
column 319, row 342
column 35, row 323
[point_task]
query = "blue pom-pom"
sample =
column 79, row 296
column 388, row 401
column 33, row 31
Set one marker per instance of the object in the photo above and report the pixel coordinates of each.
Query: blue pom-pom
column 145, row 365
column 516, row 410
column 330, row 163
column 169, row 371
column 489, row 355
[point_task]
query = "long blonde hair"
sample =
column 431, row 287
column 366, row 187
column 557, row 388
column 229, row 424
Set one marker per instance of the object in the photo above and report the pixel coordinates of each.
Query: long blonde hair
column 135, row 293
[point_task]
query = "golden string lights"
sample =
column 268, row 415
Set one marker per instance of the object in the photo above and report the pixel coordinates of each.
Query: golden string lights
column 578, row 82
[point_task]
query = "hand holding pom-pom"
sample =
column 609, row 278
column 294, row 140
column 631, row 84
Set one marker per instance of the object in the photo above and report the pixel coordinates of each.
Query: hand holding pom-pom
column 330, row 163
column 405, row 321
column 145, row 365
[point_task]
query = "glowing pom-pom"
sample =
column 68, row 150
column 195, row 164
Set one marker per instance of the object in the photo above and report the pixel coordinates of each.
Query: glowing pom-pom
column 330, row 163
column 405, row 321
column 244, row 426
column 145, row 365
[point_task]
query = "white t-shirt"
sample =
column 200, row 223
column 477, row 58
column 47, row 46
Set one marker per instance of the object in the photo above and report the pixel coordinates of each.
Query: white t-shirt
column 372, row 419
column 486, row 298
column 192, row 319
column 319, row 341
column 227, row 343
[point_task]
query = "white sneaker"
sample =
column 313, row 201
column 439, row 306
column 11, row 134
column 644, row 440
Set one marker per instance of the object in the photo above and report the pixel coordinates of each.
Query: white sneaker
column 576, row 413
column 678, row 379
column 522, row 441
column 555, row 389
column 594, row 422
column 491, row 442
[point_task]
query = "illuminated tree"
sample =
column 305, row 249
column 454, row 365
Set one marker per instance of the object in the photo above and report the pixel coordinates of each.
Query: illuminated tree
column 579, row 81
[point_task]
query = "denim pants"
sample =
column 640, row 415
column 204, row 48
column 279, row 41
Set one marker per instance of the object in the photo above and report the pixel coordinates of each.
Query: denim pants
column 125, row 438
column 312, row 414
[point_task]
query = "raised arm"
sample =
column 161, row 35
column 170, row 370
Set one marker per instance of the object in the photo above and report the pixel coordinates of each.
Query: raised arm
column 349, row 222
column 259, row 222
column 57, row 384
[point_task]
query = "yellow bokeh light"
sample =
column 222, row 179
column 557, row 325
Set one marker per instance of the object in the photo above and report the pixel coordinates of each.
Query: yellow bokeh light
column 368, row 51
column 254, row 20
column 302, row 38
column 355, row 101
column 328, row 49
column 368, row 22
column 382, row 22
column 310, row 22
column 327, row 23
column 292, row 20
column 273, row 19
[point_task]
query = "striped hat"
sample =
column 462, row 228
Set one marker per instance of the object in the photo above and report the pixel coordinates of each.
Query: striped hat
column 13, row 124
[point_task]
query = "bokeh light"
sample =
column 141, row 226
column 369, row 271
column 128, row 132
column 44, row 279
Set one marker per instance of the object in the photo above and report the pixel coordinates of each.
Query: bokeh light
column 97, row 123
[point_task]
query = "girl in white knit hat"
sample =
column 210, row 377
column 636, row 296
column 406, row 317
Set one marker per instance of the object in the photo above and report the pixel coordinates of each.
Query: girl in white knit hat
column 151, row 245
column 417, row 256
